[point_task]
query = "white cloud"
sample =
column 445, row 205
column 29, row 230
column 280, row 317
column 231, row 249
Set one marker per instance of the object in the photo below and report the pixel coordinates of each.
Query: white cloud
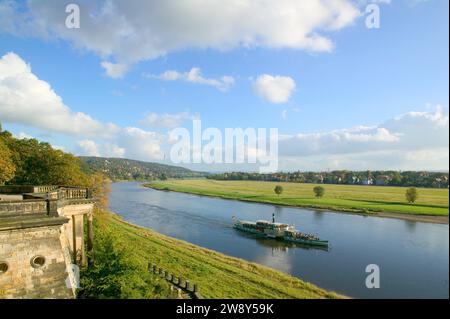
column 114, row 70
column 167, row 120
column 142, row 145
column 112, row 150
column 275, row 89
column 415, row 140
column 133, row 31
column 91, row 148
column 23, row 136
column 26, row 99
column 88, row 148
column 194, row 76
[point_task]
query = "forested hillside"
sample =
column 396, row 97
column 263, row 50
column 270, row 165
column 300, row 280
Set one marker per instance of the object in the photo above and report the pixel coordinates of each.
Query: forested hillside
column 126, row 169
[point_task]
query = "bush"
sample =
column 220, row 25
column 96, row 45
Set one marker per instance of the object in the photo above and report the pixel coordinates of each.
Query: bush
column 278, row 190
column 319, row 191
column 411, row 195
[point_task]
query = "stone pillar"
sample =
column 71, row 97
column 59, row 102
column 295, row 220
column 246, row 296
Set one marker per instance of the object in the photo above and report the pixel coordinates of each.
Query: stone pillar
column 90, row 243
column 78, row 240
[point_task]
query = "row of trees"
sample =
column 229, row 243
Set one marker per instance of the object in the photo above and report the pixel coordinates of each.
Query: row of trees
column 319, row 191
column 411, row 193
column 381, row 178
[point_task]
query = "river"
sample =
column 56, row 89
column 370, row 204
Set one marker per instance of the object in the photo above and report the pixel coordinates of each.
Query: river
column 412, row 256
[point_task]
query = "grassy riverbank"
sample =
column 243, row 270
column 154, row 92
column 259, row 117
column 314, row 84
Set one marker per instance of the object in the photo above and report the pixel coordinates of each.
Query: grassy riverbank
column 432, row 204
column 217, row 275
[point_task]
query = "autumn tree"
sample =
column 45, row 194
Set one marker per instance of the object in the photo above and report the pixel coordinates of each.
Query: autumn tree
column 7, row 167
column 38, row 163
column 100, row 185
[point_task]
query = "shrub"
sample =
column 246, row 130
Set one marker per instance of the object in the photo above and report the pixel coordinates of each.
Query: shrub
column 319, row 191
column 411, row 195
column 278, row 190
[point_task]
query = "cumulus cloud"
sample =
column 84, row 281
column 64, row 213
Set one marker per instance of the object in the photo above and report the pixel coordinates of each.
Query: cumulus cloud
column 23, row 136
column 195, row 76
column 415, row 140
column 26, row 99
column 141, row 144
column 275, row 89
column 132, row 31
column 167, row 120
column 131, row 142
column 114, row 70
column 88, row 148
column 92, row 148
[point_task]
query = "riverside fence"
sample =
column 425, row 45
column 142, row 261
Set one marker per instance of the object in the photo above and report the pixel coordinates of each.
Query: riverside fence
column 182, row 284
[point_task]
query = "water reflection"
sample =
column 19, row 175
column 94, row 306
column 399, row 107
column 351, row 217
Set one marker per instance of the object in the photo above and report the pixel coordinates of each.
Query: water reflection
column 411, row 225
column 277, row 244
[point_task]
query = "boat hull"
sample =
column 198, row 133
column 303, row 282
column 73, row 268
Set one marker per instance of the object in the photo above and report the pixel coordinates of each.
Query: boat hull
column 321, row 243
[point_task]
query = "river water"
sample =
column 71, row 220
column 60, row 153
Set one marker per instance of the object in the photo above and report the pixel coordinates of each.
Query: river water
column 412, row 256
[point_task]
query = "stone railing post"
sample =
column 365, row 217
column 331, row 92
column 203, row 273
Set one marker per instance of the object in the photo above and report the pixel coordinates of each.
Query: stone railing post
column 90, row 238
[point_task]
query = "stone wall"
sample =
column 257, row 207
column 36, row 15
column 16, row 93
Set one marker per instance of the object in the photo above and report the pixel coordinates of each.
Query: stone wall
column 41, row 238
column 25, row 279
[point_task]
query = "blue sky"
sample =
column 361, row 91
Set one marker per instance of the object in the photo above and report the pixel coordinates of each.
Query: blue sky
column 352, row 105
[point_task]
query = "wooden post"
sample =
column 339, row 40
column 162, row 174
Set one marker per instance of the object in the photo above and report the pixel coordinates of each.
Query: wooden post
column 187, row 285
column 195, row 288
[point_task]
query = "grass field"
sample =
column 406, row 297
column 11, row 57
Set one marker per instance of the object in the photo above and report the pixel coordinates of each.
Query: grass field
column 217, row 275
column 348, row 198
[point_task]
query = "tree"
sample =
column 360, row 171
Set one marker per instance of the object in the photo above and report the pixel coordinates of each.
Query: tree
column 100, row 185
column 278, row 190
column 319, row 191
column 411, row 195
column 7, row 167
column 37, row 163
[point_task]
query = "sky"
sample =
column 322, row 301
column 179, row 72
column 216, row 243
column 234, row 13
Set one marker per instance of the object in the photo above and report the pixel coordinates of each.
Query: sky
column 341, row 94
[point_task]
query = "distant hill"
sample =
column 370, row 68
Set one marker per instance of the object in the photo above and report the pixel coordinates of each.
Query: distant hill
column 126, row 169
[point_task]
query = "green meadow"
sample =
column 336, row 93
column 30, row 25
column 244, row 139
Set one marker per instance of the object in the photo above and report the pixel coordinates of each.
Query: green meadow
column 347, row 198
column 129, row 249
